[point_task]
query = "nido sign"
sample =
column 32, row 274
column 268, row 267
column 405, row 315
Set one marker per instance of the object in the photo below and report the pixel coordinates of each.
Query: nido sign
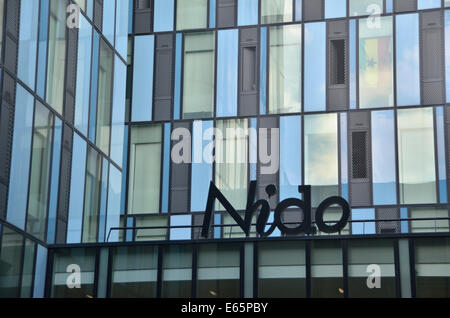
column 305, row 205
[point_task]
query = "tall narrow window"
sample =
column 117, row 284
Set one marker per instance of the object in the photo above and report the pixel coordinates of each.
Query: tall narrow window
column 92, row 196
column 337, row 62
column 417, row 169
column 276, row 11
column 40, row 171
column 321, row 156
column 232, row 162
column 285, row 69
column 198, row 90
column 376, row 80
column 56, row 55
column 105, row 82
column 144, row 182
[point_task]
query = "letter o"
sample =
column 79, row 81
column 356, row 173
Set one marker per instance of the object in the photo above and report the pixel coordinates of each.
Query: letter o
column 341, row 223
column 281, row 208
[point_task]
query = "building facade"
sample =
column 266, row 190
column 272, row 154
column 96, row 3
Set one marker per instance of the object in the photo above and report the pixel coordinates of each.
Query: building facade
column 147, row 102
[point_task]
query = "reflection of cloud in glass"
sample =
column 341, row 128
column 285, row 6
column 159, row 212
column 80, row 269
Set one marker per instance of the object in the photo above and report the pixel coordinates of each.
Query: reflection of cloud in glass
column 321, row 155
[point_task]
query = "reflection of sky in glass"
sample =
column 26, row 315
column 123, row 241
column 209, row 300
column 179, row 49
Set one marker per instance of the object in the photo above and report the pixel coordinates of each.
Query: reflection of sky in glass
column 321, row 155
column 447, row 3
column 416, row 155
column 360, row 7
column 335, row 9
column 440, row 135
column 428, row 4
column 389, row 6
column 447, row 53
column 201, row 172
column 315, row 69
column 290, row 156
column 352, row 39
column 163, row 20
column 263, row 72
column 363, row 227
column 274, row 11
column 285, row 69
column 408, row 72
column 247, row 12
column 376, row 64
column 383, row 158
column 344, row 156
column 227, row 72
column 180, row 233
column 298, row 10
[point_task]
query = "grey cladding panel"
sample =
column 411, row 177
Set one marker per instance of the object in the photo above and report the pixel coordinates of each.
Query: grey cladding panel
column 11, row 35
column 98, row 13
column 6, row 132
column 163, row 77
column 360, row 167
column 226, row 13
column 338, row 65
column 432, row 49
column 71, row 74
column 180, row 181
column 388, row 226
column 143, row 20
column 313, row 10
column 249, row 72
column 405, row 5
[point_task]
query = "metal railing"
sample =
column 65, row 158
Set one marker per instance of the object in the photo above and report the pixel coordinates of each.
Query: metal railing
column 348, row 227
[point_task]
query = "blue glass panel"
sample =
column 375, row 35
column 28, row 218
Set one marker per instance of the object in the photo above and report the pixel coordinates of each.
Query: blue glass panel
column 217, row 229
column 42, row 49
column 166, row 169
column 129, row 233
column 276, row 232
column 298, row 10
column 177, row 93
column 389, row 6
column 180, row 233
column 124, row 171
column 290, row 156
column 227, row 73
column 90, row 8
column 114, row 197
column 344, row 156
column 447, row 53
column 404, row 224
column 383, row 158
column 335, row 9
column 130, row 17
column 109, row 13
column 408, row 68
column 40, row 271
column 103, row 203
column 77, row 181
column 56, row 158
column 212, row 13
column 94, row 88
column 201, row 170
column 263, row 72
column 20, row 158
column 83, row 76
column 352, row 64
column 363, row 227
column 28, row 38
column 428, row 4
column 315, row 66
column 253, row 142
column 118, row 111
column 122, row 15
column 143, row 78
column 163, row 18
column 440, row 139
column 247, row 12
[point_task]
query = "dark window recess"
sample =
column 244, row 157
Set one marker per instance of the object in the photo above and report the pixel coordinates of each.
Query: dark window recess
column 337, row 62
column 249, row 65
column 359, row 155
column 143, row 4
